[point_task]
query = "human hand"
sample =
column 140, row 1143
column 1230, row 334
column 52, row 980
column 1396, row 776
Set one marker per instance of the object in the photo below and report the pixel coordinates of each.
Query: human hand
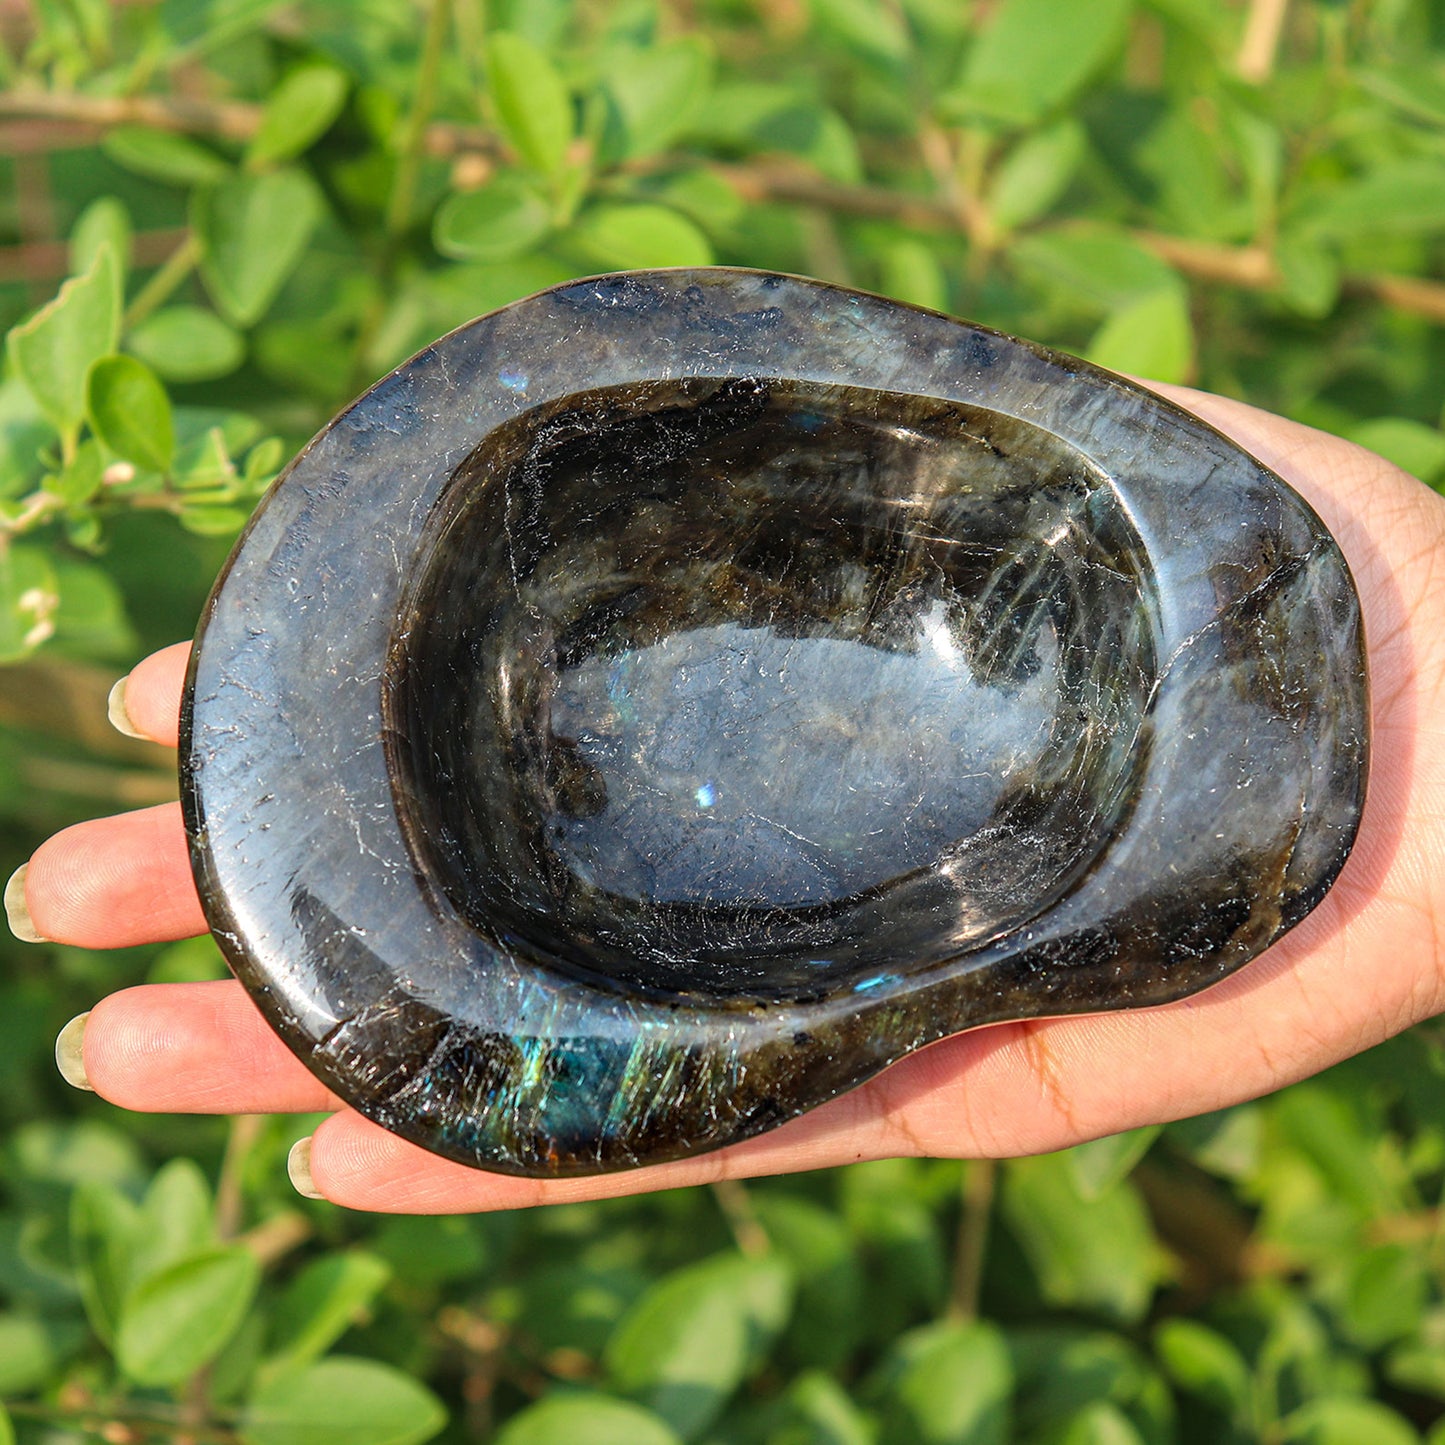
column 1367, row 963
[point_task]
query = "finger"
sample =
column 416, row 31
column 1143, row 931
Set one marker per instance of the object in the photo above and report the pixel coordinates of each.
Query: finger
column 113, row 882
column 194, row 1048
column 146, row 702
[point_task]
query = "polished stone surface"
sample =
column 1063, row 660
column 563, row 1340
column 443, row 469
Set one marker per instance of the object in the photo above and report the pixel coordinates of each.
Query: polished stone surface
column 665, row 702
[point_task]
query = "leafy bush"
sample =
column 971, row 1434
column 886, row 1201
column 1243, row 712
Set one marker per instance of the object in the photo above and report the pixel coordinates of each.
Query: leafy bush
column 266, row 206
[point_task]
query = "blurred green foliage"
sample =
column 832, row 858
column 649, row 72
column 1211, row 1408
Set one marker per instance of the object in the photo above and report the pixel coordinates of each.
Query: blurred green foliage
column 261, row 207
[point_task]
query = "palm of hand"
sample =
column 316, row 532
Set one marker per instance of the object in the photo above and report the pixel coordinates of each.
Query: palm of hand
column 1363, row 966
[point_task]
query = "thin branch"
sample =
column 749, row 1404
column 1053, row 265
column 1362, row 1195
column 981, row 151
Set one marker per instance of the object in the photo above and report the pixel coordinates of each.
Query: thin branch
column 737, row 1208
column 413, row 143
column 756, row 183
column 1260, row 45
column 233, row 121
column 162, row 286
column 241, row 1139
column 970, row 1246
column 50, row 260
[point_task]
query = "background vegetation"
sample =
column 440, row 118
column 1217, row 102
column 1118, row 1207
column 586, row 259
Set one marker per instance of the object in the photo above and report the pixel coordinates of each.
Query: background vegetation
column 264, row 206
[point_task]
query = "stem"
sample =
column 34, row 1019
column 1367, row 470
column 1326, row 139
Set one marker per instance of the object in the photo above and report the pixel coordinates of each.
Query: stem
column 403, row 188
column 96, row 1420
column 162, row 285
column 758, row 182
column 968, row 1252
column 737, row 1207
column 471, row 26
column 413, row 145
column 244, row 1132
column 1260, row 45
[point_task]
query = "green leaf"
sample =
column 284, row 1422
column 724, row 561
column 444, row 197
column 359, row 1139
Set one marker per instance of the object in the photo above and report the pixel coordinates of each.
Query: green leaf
column 130, row 412
column 175, row 1218
column 1346, row 1420
column 625, row 237
column 657, row 93
column 178, row 1320
column 590, row 1418
column 27, row 1356
column 25, row 436
column 71, row 1153
column 1101, row 1424
column 1329, row 1129
column 1418, row 91
column 1227, row 1143
column 1152, row 337
column 206, row 520
column 104, row 1226
column 1093, row 1254
column 163, row 155
column 1384, row 1295
column 187, row 343
column 1412, row 446
column 91, row 617
column 532, row 103
column 1404, row 197
column 688, row 1343
column 79, row 480
column 823, row 1413
column 342, row 1401
column 55, row 349
column 29, row 597
column 253, row 230
column 1102, row 1163
column 192, row 960
column 196, row 26
column 104, row 221
column 911, row 272
column 1062, row 1368
column 1035, row 54
column 817, row 1245
column 322, row 1303
column 1309, row 274
column 1035, row 173
column 502, row 220
column 948, row 1385
column 299, row 111
column 7, row 1430
column 872, row 30
column 1202, row 1362
column 1097, row 266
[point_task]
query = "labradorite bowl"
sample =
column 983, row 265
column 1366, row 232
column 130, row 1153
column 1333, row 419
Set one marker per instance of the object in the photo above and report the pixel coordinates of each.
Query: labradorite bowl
column 663, row 703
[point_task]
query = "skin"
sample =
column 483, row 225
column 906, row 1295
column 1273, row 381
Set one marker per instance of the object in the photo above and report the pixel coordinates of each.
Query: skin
column 1365, row 965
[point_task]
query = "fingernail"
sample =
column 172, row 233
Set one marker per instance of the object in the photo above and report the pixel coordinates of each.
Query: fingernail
column 115, row 710
column 17, row 910
column 298, row 1166
column 70, row 1054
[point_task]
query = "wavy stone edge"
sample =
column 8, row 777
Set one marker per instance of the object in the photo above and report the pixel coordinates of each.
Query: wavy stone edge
column 492, row 1060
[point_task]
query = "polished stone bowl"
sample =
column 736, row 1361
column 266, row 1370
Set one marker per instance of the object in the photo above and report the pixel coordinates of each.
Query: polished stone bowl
column 668, row 700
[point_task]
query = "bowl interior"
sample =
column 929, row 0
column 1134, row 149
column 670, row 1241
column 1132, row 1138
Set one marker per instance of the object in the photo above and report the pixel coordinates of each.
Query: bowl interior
column 765, row 688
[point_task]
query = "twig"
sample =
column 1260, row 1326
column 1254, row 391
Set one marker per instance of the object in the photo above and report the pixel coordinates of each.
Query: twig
column 244, row 1132
column 979, row 1176
column 86, row 117
column 413, row 143
column 99, row 1422
column 49, row 260
column 273, row 1239
column 1404, row 293
column 758, row 182
column 161, row 286
column 1260, row 45
column 737, row 1207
